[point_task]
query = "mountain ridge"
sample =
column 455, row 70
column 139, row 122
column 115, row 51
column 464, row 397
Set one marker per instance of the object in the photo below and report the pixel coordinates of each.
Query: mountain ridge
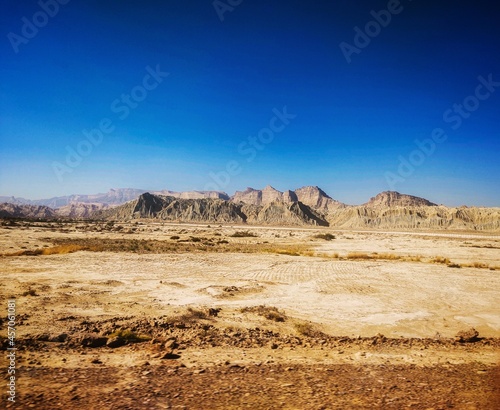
column 306, row 206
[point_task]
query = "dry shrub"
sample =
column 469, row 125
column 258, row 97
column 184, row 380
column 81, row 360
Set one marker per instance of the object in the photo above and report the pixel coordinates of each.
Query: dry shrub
column 308, row 329
column 192, row 315
column 454, row 265
column 388, row 256
column 440, row 259
column 478, row 265
column 359, row 255
column 269, row 312
column 129, row 336
column 62, row 249
column 325, row 236
column 243, row 234
column 55, row 250
column 30, row 292
column 413, row 258
column 289, row 252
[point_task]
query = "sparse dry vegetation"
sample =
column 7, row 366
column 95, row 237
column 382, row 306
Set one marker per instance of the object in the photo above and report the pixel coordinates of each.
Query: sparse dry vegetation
column 308, row 329
column 68, row 245
column 129, row 336
column 29, row 292
column 243, row 234
column 440, row 259
column 269, row 312
column 381, row 256
column 325, row 236
column 192, row 315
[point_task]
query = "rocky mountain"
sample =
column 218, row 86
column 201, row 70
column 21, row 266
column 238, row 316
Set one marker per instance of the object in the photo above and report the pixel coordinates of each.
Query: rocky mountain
column 205, row 210
column 112, row 197
column 415, row 217
column 311, row 196
column 79, row 210
column 393, row 198
column 193, row 194
column 263, row 197
column 14, row 200
column 209, row 210
column 26, row 211
column 282, row 213
column 307, row 206
column 316, row 198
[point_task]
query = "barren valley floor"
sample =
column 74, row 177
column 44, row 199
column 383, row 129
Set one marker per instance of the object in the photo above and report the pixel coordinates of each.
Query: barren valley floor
column 152, row 315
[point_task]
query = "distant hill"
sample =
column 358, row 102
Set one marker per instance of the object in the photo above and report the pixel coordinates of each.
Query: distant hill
column 311, row 196
column 306, row 206
column 26, row 211
column 112, row 197
column 209, row 210
column 392, row 198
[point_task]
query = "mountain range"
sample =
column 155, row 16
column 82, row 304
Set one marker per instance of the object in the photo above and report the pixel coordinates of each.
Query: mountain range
column 302, row 207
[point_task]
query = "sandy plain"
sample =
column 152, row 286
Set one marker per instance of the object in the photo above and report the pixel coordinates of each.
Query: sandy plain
column 224, row 308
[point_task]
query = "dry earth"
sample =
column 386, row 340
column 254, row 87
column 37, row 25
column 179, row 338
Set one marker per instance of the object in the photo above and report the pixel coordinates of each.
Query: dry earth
column 195, row 317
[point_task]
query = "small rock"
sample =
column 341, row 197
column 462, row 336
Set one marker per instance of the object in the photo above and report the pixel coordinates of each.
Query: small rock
column 213, row 312
column 171, row 344
column 91, row 340
column 115, row 342
column 58, row 338
column 170, row 356
column 465, row 336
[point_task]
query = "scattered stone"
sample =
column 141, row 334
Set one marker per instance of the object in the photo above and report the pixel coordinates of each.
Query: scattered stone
column 92, row 340
column 467, row 336
column 171, row 344
column 115, row 342
column 170, row 356
column 60, row 338
column 214, row 312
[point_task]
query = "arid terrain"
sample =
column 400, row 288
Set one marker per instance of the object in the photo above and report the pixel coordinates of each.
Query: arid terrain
column 149, row 314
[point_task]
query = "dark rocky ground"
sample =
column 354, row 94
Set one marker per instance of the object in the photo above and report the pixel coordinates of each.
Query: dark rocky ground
column 271, row 386
column 185, row 366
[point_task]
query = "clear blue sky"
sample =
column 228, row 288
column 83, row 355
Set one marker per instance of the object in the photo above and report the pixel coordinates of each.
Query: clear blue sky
column 354, row 122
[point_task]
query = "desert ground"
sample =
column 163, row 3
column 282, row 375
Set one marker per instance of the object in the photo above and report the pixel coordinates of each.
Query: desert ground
column 181, row 316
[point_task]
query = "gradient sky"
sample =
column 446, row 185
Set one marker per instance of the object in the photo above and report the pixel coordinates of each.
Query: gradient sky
column 354, row 122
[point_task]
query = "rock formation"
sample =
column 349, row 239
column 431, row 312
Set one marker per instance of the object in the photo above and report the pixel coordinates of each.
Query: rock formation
column 303, row 207
column 26, row 211
column 393, row 198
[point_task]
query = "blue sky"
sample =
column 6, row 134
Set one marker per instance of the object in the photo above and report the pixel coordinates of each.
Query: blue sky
column 349, row 128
